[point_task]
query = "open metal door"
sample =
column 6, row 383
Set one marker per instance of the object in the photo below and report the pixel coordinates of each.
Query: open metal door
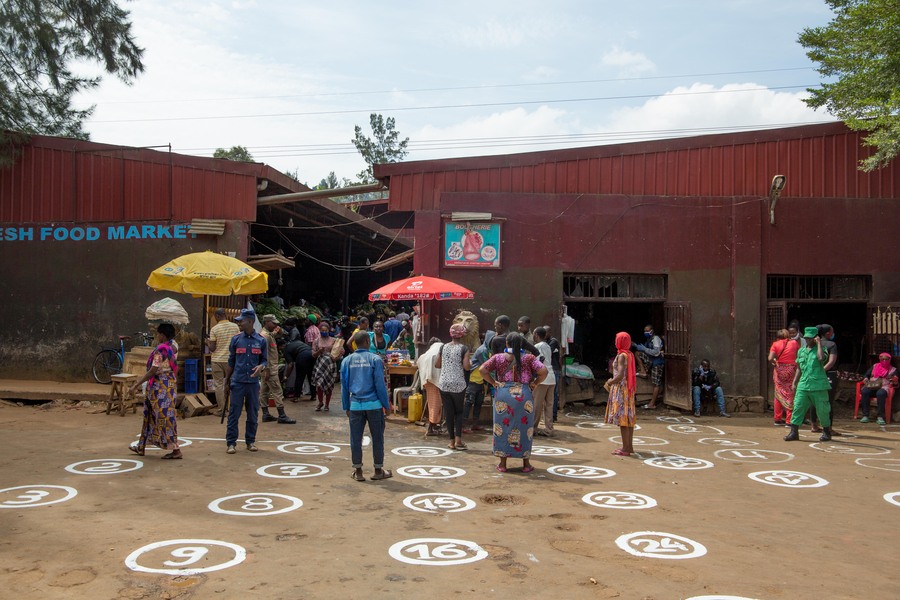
column 776, row 318
column 678, row 354
column 884, row 330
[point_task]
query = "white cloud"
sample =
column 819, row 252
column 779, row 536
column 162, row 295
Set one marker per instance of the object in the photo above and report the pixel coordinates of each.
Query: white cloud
column 629, row 63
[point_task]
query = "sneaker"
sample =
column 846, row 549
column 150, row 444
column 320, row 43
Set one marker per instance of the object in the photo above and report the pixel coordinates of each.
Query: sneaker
column 880, row 421
column 864, row 420
column 231, row 449
column 779, row 423
column 252, row 448
column 696, row 413
column 724, row 414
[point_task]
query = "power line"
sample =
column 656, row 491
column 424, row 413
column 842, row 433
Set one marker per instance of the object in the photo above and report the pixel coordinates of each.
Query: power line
column 452, row 106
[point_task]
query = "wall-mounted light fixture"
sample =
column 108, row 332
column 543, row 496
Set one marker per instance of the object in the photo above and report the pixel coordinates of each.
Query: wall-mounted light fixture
column 774, row 192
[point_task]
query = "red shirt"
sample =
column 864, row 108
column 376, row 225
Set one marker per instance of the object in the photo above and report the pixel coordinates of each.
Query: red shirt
column 785, row 350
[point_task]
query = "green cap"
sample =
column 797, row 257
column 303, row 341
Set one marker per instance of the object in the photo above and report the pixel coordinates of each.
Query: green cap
column 313, row 318
column 810, row 332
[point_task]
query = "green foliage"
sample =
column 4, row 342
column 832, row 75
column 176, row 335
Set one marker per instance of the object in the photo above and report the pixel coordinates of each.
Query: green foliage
column 39, row 40
column 860, row 49
column 384, row 148
column 235, row 153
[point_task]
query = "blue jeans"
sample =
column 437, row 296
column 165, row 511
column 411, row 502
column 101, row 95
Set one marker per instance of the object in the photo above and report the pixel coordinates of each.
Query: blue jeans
column 556, row 373
column 720, row 398
column 242, row 394
column 358, row 420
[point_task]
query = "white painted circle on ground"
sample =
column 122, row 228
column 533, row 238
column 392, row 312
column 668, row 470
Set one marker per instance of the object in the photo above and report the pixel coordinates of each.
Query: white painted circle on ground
column 591, row 425
column 105, row 466
column 580, row 471
column 839, row 448
column 437, row 552
column 656, row 544
column 645, row 454
column 883, row 464
column 421, row 451
column 430, row 472
column 695, row 429
column 726, row 442
column 35, row 495
column 572, row 415
column 291, row 470
column 753, row 456
column 789, row 479
column 438, row 503
column 675, row 419
column 719, row 597
column 188, row 552
column 182, row 443
column 308, row 448
column 550, row 451
column 620, row 500
column 893, row 498
column 262, row 504
column 641, row 440
column 679, row 463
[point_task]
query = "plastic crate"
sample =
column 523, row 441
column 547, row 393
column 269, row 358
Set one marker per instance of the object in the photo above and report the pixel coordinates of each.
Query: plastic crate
column 191, row 387
column 191, row 371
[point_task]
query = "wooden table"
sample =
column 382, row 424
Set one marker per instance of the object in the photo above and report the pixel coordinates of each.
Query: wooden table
column 402, row 370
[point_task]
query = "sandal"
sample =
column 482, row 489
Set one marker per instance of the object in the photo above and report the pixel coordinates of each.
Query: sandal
column 620, row 452
column 319, row 408
column 385, row 474
column 136, row 451
column 501, row 469
column 462, row 446
column 173, row 455
column 452, row 447
column 528, row 469
column 355, row 476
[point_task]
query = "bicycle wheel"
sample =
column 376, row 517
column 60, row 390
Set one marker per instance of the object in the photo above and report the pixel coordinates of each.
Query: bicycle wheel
column 106, row 364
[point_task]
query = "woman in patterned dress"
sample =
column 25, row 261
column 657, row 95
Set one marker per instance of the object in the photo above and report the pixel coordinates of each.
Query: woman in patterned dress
column 513, row 375
column 159, row 427
column 622, row 385
column 324, row 372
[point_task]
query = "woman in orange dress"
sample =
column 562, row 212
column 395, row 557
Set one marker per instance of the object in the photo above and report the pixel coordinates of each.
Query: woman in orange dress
column 622, row 386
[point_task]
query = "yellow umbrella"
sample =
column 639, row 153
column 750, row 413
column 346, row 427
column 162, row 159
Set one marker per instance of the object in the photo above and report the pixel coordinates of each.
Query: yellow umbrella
column 208, row 273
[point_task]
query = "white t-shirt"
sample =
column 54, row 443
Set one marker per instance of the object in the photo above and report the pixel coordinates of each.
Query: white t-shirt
column 546, row 355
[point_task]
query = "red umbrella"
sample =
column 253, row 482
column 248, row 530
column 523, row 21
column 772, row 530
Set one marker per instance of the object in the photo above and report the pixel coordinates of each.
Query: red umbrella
column 422, row 288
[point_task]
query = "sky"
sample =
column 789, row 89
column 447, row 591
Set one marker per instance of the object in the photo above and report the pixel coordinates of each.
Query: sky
column 290, row 80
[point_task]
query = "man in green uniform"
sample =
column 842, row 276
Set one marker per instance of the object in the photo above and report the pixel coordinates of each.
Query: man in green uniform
column 811, row 385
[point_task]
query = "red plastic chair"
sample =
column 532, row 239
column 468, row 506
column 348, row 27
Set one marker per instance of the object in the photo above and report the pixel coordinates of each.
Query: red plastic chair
column 887, row 403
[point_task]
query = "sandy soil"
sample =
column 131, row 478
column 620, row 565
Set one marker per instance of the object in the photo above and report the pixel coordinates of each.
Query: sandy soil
column 539, row 536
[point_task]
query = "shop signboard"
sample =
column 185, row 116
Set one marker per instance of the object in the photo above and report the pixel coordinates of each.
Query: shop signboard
column 472, row 245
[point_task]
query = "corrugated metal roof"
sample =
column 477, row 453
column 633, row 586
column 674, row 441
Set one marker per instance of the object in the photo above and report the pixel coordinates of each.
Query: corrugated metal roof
column 818, row 160
column 64, row 180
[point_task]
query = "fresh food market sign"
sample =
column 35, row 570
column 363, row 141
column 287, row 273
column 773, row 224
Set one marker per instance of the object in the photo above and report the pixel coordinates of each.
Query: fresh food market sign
column 79, row 233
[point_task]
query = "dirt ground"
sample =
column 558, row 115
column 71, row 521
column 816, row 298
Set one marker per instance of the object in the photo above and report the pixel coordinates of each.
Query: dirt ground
column 528, row 535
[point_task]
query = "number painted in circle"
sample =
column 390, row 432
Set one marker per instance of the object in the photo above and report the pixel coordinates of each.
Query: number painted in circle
column 430, row 472
column 255, row 504
column 893, row 498
column 550, row 451
column 438, row 503
column 726, row 442
column 719, row 597
column 422, row 451
column 598, row 425
column 442, row 552
column 840, row 448
column 644, row 440
column 674, row 419
column 883, row 464
column 657, row 544
column 789, row 479
column 308, row 448
column 182, row 442
column 105, row 466
column 679, row 463
column 190, row 551
column 753, row 456
column 572, row 415
column 291, row 470
column 695, row 429
column 620, row 500
column 580, row 471
column 35, row 495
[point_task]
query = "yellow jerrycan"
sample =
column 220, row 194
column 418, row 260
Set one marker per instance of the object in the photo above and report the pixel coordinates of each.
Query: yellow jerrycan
column 414, row 407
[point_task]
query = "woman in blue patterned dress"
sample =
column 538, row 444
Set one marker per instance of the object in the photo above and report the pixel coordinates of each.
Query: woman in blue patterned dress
column 513, row 375
column 159, row 427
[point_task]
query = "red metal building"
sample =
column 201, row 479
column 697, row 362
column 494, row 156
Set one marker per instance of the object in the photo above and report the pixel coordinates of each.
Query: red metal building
column 691, row 235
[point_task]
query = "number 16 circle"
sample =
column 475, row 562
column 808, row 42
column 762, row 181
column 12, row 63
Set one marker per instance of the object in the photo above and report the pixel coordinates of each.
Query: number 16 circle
column 437, row 552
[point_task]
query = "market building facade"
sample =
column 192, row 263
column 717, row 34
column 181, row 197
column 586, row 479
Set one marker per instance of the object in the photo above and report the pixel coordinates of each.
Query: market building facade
column 717, row 241
column 83, row 224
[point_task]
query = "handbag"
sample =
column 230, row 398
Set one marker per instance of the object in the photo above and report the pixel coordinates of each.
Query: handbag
column 875, row 383
column 337, row 349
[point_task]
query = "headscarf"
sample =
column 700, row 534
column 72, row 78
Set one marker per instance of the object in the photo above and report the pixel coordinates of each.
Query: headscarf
column 883, row 367
column 457, row 330
column 623, row 346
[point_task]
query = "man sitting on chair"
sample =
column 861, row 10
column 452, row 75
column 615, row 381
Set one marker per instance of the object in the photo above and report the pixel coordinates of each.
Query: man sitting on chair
column 704, row 380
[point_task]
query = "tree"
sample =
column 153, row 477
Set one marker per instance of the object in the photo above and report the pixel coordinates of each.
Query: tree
column 235, row 153
column 39, row 41
column 383, row 149
column 860, row 47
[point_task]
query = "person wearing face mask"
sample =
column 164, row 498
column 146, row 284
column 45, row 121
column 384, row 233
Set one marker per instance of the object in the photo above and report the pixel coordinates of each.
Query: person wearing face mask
column 826, row 335
column 811, row 385
column 878, row 379
column 651, row 353
column 326, row 350
column 705, row 380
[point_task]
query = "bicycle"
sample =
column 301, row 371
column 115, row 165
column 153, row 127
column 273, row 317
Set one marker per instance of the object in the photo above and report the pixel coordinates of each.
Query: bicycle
column 109, row 361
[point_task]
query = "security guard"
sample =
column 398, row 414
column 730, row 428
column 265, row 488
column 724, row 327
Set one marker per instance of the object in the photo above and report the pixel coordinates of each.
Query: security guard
column 269, row 384
column 247, row 359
